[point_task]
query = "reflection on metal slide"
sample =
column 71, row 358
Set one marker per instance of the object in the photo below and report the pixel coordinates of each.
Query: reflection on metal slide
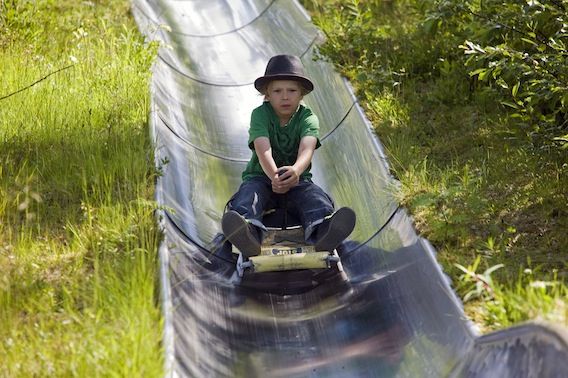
column 396, row 315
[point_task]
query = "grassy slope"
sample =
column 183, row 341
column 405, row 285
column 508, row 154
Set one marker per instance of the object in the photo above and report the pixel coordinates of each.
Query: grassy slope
column 482, row 193
column 78, row 239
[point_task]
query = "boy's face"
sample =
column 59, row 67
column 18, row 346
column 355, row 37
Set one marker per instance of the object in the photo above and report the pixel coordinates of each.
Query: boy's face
column 284, row 96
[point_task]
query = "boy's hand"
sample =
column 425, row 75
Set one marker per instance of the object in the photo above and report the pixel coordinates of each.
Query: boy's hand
column 286, row 178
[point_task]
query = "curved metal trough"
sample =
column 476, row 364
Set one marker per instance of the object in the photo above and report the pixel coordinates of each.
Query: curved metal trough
column 397, row 316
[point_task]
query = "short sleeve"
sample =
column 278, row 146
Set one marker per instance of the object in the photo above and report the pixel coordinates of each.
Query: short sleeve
column 259, row 122
column 310, row 125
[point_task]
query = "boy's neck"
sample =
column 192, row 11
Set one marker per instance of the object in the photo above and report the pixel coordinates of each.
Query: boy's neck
column 284, row 121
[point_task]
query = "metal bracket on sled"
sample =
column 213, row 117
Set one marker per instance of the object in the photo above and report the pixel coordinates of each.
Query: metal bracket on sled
column 243, row 265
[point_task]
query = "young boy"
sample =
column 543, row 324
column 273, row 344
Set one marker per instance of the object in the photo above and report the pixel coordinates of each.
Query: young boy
column 283, row 136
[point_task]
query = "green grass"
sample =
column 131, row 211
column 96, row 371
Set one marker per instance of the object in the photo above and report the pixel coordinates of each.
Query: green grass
column 485, row 199
column 78, row 240
column 478, row 187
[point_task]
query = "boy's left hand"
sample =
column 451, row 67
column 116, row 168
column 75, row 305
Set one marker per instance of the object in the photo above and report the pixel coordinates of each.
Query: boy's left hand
column 283, row 183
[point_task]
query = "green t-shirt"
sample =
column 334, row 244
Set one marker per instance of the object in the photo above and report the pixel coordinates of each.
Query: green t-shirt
column 284, row 141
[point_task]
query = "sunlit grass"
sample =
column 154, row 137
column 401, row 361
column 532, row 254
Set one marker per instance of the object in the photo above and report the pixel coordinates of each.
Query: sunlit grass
column 487, row 204
column 476, row 185
column 78, row 239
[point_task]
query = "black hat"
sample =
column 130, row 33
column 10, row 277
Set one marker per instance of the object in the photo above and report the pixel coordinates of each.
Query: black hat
column 284, row 67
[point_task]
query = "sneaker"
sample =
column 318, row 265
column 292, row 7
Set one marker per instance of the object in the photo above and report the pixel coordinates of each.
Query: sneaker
column 240, row 233
column 335, row 229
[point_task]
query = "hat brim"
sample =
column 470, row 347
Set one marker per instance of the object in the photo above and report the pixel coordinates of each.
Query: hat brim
column 262, row 81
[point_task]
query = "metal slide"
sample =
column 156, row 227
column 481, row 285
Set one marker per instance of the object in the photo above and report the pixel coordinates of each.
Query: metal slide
column 396, row 316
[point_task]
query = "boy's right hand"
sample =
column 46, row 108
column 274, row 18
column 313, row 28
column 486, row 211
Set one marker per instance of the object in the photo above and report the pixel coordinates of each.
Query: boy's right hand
column 284, row 180
column 277, row 186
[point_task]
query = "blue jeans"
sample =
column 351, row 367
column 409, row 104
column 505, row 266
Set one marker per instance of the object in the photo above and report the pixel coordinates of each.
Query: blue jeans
column 306, row 201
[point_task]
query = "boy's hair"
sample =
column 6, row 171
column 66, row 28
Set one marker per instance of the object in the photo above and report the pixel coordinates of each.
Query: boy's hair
column 264, row 88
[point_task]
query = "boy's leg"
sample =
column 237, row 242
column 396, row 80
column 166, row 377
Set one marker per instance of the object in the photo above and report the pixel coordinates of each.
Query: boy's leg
column 242, row 223
column 322, row 225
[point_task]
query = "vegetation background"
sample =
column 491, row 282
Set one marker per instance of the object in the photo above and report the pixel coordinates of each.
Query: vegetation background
column 469, row 98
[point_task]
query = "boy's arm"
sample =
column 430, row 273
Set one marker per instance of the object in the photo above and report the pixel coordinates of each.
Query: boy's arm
column 305, row 154
column 264, row 153
column 281, row 184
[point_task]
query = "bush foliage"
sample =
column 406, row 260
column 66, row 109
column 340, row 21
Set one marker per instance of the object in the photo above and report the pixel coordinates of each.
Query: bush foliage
column 516, row 51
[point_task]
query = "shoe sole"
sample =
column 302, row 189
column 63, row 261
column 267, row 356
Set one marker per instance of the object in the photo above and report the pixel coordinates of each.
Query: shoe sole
column 341, row 225
column 236, row 229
